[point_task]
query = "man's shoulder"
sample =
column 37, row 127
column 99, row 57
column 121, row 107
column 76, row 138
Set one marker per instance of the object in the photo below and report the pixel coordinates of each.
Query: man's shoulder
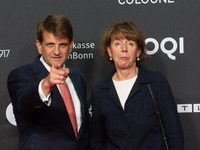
column 25, row 68
column 76, row 75
column 104, row 82
column 75, row 72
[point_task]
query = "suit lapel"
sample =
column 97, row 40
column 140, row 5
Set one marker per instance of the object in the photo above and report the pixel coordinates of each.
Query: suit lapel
column 134, row 90
column 110, row 90
column 81, row 94
column 143, row 78
column 112, row 94
column 39, row 69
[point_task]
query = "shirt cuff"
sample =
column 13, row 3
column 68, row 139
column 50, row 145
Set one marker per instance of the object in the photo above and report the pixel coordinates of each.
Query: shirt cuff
column 46, row 100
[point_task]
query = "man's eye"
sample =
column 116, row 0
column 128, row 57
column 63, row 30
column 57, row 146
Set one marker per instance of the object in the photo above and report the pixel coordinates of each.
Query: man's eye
column 49, row 44
column 63, row 45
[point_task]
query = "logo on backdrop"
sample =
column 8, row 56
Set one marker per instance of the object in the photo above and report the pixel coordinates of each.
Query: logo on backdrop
column 86, row 48
column 4, row 53
column 10, row 116
column 188, row 108
column 176, row 45
column 138, row 2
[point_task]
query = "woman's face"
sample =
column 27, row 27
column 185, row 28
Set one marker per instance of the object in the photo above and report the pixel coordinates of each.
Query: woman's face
column 124, row 53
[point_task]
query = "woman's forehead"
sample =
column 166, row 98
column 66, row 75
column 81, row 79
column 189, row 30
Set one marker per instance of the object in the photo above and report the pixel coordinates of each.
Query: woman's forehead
column 123, row 35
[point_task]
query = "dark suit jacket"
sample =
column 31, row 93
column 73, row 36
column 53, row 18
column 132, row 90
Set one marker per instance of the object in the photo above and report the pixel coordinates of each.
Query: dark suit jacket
column 46, row 127
column 137, row 126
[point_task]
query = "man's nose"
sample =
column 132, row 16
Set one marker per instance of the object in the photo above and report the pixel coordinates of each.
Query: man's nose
column 56, row 50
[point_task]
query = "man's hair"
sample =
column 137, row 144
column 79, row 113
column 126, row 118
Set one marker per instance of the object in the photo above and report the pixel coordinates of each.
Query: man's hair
column 59, row 25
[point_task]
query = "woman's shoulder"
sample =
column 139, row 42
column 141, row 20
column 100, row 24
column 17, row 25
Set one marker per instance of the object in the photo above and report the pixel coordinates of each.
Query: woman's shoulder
column 105, row 81
column 149, row 74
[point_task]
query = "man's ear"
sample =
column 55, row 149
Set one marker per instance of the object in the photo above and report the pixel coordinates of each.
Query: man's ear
column 71, row 46
column 39, row 46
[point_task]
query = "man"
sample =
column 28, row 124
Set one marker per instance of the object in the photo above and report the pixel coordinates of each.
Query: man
column 40, row 106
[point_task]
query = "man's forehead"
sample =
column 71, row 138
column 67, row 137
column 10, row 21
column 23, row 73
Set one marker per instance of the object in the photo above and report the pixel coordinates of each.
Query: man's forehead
column 50, row 37
column 57, row 36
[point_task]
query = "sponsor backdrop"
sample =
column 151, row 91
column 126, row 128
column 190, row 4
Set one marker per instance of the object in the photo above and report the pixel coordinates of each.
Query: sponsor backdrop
column 171, row 29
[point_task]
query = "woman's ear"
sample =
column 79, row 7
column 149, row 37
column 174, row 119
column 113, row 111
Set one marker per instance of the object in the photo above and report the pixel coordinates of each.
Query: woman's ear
column 109, row 51
column 138, row 52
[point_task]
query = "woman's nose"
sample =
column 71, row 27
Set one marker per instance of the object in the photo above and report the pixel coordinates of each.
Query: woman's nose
column 124, row 47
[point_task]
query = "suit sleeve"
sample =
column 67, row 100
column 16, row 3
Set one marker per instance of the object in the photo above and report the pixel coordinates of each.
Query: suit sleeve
column 23, row 90
column 169, row 114
column 98, row 132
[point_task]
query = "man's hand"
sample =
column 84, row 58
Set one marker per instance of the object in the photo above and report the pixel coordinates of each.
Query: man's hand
column 57, row 75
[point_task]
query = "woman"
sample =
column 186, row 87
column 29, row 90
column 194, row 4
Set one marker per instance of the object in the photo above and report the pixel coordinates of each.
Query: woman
column 124, row 114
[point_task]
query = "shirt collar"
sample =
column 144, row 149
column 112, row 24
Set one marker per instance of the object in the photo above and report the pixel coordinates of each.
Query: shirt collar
column 46, row 65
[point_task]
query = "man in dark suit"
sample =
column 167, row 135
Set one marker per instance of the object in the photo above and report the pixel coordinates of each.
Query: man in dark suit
column 42, row 114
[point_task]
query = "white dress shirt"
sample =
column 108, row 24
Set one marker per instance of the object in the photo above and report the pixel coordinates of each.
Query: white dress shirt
column 76, row 101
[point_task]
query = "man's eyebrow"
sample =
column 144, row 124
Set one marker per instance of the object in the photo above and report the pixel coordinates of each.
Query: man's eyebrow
column 64, row 43
column 49, row 43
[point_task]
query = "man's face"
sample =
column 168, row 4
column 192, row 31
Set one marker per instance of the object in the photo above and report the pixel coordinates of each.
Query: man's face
column 54, row 50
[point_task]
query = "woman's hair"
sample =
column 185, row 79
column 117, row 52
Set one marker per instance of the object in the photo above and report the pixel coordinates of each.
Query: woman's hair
column 59, row 25
column 120, row 30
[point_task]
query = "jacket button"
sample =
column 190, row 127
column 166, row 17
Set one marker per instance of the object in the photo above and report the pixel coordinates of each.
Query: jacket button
column 127, row 137
column 38, row 106
column 126, row 115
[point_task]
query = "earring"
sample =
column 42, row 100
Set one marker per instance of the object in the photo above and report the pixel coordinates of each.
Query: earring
column 138, row 59
column 110, row 58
